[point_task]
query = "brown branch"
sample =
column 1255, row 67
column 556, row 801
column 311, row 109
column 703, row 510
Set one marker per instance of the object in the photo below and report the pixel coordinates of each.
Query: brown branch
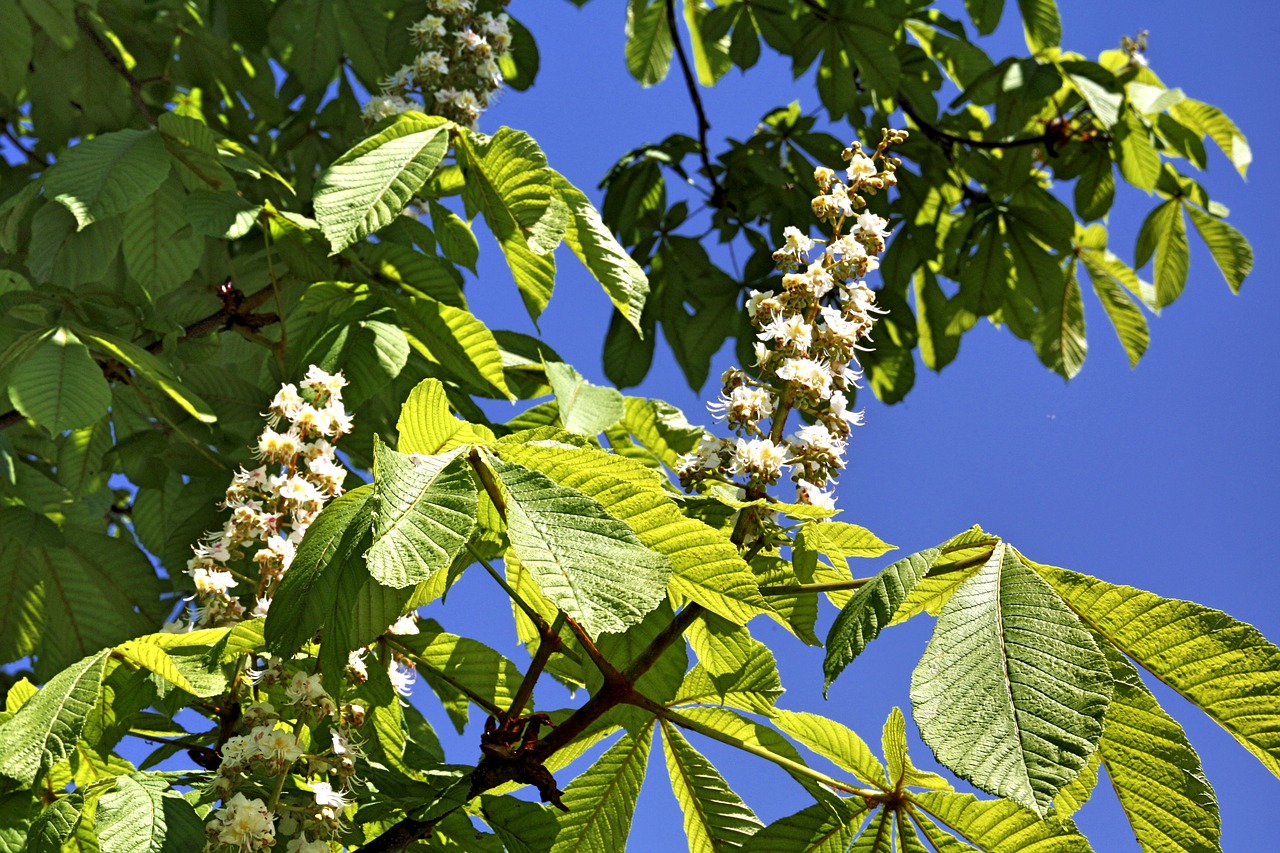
column 547, row 646
column 940, row 136
column 114, row 60
column 717, row 191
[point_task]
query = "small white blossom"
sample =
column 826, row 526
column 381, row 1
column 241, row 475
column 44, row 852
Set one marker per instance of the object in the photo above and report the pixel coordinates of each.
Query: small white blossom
column 860, row 168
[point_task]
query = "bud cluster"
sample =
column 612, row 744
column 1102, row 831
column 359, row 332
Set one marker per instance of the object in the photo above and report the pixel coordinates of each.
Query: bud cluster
column 272, row 505
column 808, row 334
column 455, row 73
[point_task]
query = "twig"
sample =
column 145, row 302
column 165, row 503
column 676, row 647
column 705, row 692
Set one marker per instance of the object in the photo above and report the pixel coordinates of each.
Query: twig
column 825, row 586
column 939, row 135
column 548, row 646
column 32, row 157
column 718, row 198
column 135, row 85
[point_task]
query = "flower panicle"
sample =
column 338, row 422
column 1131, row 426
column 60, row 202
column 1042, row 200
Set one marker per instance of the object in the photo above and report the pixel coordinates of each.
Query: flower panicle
column 456, row 72
column 809, row 331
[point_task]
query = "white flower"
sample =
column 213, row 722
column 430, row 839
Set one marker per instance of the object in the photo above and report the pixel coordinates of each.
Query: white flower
column 402, row 677
column 209, row 582
column 839, row 408
column 277, row 744
column 406, row 624
column 743, row 404
column 244, row 823
column 238, row 750
column 861, row 167
column 304, row 688
column 754, row 299
column 809, row 374
column 326, row 797
column 798, row 243
column 431, row 62
column 384, row 105
column 790, row 331
column 759, row 457
column 817, row 443
column 447, row 95
column 299, row 490
column 808, row 493
column 823, row 177
column 868, row 223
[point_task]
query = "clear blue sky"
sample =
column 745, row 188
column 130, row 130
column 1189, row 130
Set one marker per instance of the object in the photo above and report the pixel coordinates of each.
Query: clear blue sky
column 1166, row 477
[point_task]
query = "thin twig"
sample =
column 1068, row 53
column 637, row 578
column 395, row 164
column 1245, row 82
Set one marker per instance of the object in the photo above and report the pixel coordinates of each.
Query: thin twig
column 939, row 135
column 824, row 586
column 548, row 646
column 717, row 191
column 32, row 157
column 114, row 60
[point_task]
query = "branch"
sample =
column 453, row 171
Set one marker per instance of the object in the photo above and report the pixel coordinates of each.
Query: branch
column 547, row 646
column 717, row 191
column 32, row 157
column 939, row 135
column 114, row 60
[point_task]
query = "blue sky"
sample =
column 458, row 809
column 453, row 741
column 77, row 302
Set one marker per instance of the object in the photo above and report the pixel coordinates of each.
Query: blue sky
column 1165, row 477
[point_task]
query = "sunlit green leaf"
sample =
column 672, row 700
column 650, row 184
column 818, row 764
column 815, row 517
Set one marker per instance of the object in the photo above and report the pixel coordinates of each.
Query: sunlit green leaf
column 108, row 174
column 45, row 729
column 1230, row 250
column 715, row 818
column 602, row 800
column 58, row 385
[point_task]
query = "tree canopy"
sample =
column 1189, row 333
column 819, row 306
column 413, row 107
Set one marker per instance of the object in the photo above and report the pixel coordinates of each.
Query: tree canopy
column 209, row 209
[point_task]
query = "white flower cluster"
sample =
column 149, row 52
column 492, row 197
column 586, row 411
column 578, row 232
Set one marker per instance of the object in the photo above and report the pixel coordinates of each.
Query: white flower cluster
column 272, row 505
column 456, row 70
column 808, row 336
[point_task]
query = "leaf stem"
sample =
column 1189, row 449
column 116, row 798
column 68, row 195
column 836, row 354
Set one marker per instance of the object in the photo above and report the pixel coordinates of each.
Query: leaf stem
column 823, row 586
column 547, row 646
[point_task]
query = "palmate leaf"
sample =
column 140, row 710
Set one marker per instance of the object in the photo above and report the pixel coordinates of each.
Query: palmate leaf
column 58, row 385
column 1155, row 772
column 993, row 826
column 835, row 742
column 1011, row 690
column 705, row 566
column 524, row 827
column 464, row 663
column 367, row 187
column 108, row 174
column 455, row 339
column 153, row 371
column 870, row 609
column 1164, row 233
column 588, row 563
column 157, row 256
column 423, row 514
column 46, row 727
column 1126, row 318
column 715, row 818
column 1231, row 251
column 1041, row 23
column 1060, row 334
column 649, row 42
column 509, row 182
column 427, row 426
column 878, row 835
column 902, row 772
column 1220, row 664
column 602, row 800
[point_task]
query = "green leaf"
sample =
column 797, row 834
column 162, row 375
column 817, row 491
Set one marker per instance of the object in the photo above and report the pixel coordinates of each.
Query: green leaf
column 1208, row 120
column 588, row 563
column 840, row 540
column 46, row 728
column 464, row 663
column 995, row 826
column 16, row 45
column 585, row 409
column 1126, row 318
column 1078, row 791
column 153, row 658
column 1041, row 24
column 1164, row 232
column 456, row 340
column 307, row 597
column 1095, row 190
column 715, row 818
column 1060, row 335
column 155, row 372
column 705, row 566
column 1011, row 690
column 710, row 57
column 1230, row 250
column 1155, row 772
column 160, row 252
column 424, row 512
column 835, row 742
column 904, row 774
column 457, row 241
column 1138, row 159
column 524, row 827
column 649, row 41
column 427, row 426
column 1223, row 666
column 1099, row 88
column 872, row 606
column 734, row 669
column 509, row 182
column 985, row 14
column 108, row 174
column 56, row 824
column 142, row 814
column 594, row 244
column 602, row 800
column 661, row 428
column 811, row 830
column 367, row 187
column 58, row 385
